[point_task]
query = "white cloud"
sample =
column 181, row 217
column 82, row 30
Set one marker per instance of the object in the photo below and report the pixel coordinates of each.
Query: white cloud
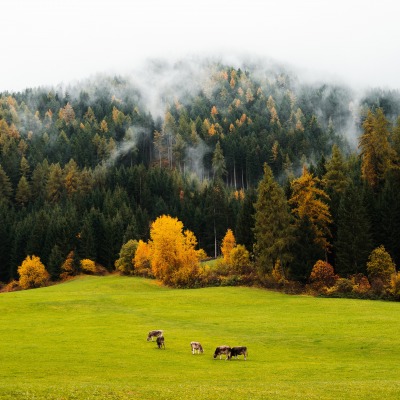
column 53, row 41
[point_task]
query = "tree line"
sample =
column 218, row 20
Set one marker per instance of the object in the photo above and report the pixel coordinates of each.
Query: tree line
column 88, row 172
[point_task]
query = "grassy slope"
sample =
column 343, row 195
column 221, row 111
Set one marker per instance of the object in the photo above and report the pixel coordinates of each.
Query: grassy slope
column 86, row 339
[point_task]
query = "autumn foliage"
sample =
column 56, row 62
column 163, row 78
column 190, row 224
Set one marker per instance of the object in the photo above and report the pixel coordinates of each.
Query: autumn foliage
column 33, row 273
column 228, row 244
column 380, row 266
column 88, row 266
column 141, row 260
column 171, row 253
column 322, row 274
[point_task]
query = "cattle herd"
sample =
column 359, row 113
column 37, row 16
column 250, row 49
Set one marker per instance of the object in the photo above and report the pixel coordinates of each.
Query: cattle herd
column 196, row 347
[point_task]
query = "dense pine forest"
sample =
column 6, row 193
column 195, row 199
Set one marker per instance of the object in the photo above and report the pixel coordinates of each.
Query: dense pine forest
column 302, row 174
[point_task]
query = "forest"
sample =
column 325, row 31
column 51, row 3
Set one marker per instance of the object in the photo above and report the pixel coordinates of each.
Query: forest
column 303, row 176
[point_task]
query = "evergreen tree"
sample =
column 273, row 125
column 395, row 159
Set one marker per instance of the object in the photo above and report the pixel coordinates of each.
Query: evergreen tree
column 376, row 153
column 353, row 244
column 23, row 193
column 218, row 163
column 56, row 259
column 388, row 232
column 304, row 250
column 272, row 230
column 245, row 220
column 5, row 185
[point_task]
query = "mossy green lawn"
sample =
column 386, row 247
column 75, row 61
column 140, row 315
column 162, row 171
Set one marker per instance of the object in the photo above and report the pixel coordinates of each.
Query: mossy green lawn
column 86, row 339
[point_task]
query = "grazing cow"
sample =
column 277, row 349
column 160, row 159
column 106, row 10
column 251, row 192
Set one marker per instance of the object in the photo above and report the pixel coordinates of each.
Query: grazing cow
column 237, row 351
column 196, row 347
column 155, row 334
column 160, row 342
column 222, row 350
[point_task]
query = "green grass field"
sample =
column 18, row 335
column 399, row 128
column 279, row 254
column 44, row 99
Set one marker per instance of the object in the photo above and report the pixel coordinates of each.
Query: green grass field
column 86, row 339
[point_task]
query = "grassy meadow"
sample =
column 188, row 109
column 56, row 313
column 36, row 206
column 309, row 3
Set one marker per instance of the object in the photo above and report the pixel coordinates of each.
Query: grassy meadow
column 86, row 339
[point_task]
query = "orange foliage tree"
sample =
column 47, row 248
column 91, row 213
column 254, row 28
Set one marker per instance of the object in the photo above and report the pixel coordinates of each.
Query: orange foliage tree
column 141, row 259
column 33, row 273
column 68, row 267
column 308, row 201
column 173, row 256
column 228, row 244
column 323, row 274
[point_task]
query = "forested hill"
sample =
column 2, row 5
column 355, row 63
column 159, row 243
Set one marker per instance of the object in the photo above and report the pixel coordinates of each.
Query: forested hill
column 87, row 167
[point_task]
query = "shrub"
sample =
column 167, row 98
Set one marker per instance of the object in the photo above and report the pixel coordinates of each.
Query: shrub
column 322, row 274
column 208, row 276
column 240, row 260
column 343, row 285
column 88, row 266
column 68, row 268
column 278, row 273
column 395, row 285
column 124, row 264
column 361, row 284
column 380, row 267
column 12, row 286
column 32, row 273
column 201, row 255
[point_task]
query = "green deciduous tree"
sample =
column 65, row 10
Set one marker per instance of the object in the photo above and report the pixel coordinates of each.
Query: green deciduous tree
column 380, row 266
column 124, row 263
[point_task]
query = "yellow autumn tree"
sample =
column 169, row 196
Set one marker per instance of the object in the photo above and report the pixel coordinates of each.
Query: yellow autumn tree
column 141, row 260
column 173, row 256
column 377, row 155
column 33, row 273
column 67, row 114
column 228, row 244
column 214, row 111
column 88, row 266
column 309, row 203
column 68, row 268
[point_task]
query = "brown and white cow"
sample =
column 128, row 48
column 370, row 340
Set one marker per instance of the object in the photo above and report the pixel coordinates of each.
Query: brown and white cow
column 155, row 334
column 160, row 342
column 196, row 347
column 237, row 351
column 222, row 350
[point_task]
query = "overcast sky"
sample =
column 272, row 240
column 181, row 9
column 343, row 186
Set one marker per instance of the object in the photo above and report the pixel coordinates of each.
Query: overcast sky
column 47, row 42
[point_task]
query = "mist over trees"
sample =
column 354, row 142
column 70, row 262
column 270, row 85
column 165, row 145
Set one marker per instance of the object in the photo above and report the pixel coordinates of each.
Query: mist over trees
column 87, row 168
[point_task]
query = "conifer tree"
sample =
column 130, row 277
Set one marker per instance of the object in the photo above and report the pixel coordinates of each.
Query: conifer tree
column 218, row 162
column 376, row 153
column 335, row 179
column 272, row 229
column 308, row 201
column 5, row 185
column 23, row 193
column 353, row 243
column 245, row 220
